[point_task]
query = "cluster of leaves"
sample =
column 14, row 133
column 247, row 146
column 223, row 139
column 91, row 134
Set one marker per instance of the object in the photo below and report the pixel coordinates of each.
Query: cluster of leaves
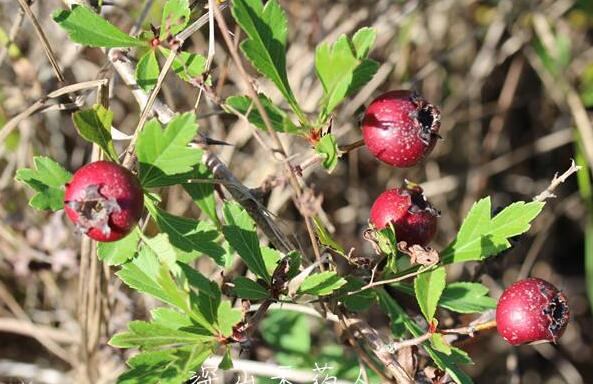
column 199, row 321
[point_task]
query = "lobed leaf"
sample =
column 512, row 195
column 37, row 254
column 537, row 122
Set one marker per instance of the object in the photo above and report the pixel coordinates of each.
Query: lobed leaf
column 118, row 252
column 161, row 153
column 48, row 179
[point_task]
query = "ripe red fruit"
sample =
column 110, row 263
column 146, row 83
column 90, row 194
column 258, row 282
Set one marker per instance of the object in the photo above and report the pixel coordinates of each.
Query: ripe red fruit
column 414, row 219
column 531, row 310
column 400, row 128
column 104, row 200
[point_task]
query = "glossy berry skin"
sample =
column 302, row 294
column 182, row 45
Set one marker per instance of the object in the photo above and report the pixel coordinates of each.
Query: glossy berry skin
column 400, row 128
column 104, row 200
column 414, row 219
column 531, row 310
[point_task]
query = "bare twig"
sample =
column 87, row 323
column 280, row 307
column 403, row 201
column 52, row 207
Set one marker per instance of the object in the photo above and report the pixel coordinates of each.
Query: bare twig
column 44, row 42
column 556, row 181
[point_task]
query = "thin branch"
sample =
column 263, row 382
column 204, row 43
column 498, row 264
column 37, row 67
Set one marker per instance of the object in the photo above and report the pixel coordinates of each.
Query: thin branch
column 556, row 181
column 44, row 42
column 374, row 284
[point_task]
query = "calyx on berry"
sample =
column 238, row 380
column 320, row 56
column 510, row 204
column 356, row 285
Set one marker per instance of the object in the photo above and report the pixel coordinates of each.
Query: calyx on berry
column 400, row 128
column 104, row 200
column 413, row 217
column 531, row 310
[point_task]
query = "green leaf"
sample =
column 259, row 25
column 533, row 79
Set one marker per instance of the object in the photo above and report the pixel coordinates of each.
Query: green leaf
column 265, row 47
column 87, row 28
column 363, row 41
column 48, row 179
column 343, row 67
column 118, row 252
column 198, row 281
column 328, row 149
column 271, row 258
column 359, row 301
column 226, row 362
column 175, row 17
column 147, row 70
column 481, row 236
column 202, row 193
column 227, row 318
column 428, row 287
column 438, row 343
column 94, row 125
column 444, row 362
column 466, row 297
column 244, row 106
column 325, row 237
column 166, row 253
column 586, row 85
column 162, row 153
column 170, row 318
column 146, row 274
column 150, row 336
column 150, row 368
column 189, row 236
column 287, row 331
column 321, row 284
column 187, row 66
column 241, row 235
column 248, row 289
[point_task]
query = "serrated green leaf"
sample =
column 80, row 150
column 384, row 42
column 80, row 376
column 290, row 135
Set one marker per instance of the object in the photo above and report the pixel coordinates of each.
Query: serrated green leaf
column 321, row 284
column 197, row 280
column 202, row 193
column 327, row 147
column 359, row 301
column 466, row 297
column 162, row 153
column 175, row 17
column 189, row 236
column 265, row 47
column 241, row 235
column 248, row 289
column 444, row 362
column 226, row 362
column 481, row 236
column 147, row 70
column 438, row 343
column 228, row 317
column 88, row 28
column 118, row 252
column 145, row 274
column 343, row 67
column 149, row 368
column 94, row 125
column 428, row 287
column 187, row 66
column 48, row 179
column 170, row 318
column 166, row 253
column 244, row 106
column 287, row 331
column 150, row 336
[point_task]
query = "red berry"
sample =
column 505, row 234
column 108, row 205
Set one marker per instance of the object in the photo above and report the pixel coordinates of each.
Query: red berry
column 104, row 200
column 531, row 310
column 400, row 128
column 414, row 219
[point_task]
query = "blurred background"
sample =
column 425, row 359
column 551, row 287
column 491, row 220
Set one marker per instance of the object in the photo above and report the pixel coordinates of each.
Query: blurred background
column 513, row 80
